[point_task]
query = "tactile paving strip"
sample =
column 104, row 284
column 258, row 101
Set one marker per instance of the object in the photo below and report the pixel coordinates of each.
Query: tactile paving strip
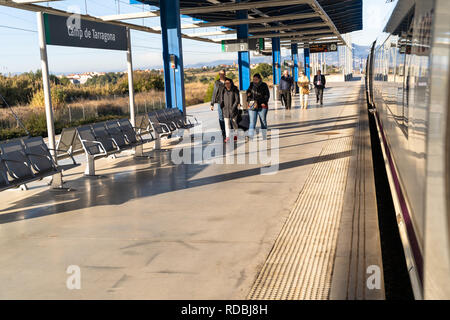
column 300, row 265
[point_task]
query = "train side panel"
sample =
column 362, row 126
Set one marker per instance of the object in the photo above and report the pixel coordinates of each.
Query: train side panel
column 437, row 238
column 408, row 85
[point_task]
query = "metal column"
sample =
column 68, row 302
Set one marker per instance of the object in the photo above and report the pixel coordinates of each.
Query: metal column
column 243, row 56
column 307, row 63
column 294, row 52
column 46, row 84
column 172, row 54
column 276, row 60
column 130, row 80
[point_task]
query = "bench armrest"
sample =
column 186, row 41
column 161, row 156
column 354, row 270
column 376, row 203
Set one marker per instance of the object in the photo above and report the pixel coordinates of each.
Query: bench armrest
column 96, row 142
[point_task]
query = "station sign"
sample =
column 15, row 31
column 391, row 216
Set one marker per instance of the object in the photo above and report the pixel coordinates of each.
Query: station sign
column 325, row 47
column 76, row 32
column 289, row 63
column 243, row 45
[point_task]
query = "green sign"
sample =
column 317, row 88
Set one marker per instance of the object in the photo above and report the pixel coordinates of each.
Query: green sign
column 76, row 32
column 243, row 45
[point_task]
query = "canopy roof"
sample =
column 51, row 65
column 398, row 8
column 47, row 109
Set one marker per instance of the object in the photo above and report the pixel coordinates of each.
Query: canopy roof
column 295, row 21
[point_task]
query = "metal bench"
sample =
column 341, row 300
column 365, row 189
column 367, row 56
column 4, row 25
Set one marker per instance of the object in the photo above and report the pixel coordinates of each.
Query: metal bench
column 160, row 129
column 108, row 143
column 176, row 116
column 69, row 144
column 112, row 128
column 27, row 160
column 101, row 140
column 143, row 125
column 162, row 118
column 133, row 138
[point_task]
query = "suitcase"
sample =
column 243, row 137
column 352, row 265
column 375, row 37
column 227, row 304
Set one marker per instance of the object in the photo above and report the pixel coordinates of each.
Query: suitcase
column 243, row 120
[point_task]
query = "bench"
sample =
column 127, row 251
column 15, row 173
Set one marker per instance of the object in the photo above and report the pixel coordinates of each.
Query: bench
column 26, row 160
column 181, row 122
column 101, row 140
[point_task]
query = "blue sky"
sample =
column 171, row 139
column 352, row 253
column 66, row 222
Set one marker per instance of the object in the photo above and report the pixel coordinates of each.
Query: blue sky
column 20, row 49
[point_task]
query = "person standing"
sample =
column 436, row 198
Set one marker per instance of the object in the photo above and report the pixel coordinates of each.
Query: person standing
column 319, row 83
column 303, row 83
column 286, row 86
column 229, row 103
column 219, row 86
column 259, row 93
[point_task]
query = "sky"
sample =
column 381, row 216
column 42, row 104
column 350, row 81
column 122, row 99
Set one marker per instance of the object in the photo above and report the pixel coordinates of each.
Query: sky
column 20, row 49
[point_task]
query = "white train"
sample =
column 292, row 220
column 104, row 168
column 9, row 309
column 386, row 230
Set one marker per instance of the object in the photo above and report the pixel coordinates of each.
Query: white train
column 407, row 82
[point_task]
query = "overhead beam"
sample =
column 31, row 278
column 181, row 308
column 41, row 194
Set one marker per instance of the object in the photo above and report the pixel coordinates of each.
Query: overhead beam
column 242, row 6
column 236, row 22
column 293, row 34
column 33, row 1
column 288, row 27
column 321, row 12
column 50, row 10
column 129, row 16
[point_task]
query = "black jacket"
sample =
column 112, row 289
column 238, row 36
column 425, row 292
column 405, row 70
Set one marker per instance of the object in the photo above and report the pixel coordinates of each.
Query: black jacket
column 323, row 80
column 259, row 93
column 286, row 83
column 218, row 91
column 229, row 102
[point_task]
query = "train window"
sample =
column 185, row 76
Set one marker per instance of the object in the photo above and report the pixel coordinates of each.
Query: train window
column 400, row 53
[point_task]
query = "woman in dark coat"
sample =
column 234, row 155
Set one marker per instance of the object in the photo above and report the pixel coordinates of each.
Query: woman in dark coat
column 229, row 105
column 259, row 93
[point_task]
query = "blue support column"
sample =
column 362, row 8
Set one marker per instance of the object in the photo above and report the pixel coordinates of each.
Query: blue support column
column 243, row 56
column 172, row 48
column 276, row 60
column 294, row 52
column 307, row 63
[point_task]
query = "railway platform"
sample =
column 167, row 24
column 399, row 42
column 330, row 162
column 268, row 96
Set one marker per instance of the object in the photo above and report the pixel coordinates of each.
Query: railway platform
column 152, row 229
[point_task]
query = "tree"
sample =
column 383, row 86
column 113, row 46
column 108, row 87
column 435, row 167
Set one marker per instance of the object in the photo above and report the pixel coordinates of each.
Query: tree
column 264, row 69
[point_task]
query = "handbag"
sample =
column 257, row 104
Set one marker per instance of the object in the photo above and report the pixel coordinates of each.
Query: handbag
column 243, row 120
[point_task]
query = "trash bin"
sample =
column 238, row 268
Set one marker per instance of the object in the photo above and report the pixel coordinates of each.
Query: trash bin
column 276, row 92
column 243, row 100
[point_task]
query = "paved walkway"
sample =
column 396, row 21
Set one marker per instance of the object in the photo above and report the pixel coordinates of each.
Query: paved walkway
column 150, row 229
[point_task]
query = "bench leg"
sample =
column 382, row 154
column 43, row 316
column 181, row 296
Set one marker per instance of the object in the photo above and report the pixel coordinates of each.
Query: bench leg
column 90, row 166
column 157, row 141
column 57, row 181
column 139, row 151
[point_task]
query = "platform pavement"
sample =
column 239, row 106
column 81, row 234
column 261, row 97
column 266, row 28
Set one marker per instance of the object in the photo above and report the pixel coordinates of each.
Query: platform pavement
column 149, row 229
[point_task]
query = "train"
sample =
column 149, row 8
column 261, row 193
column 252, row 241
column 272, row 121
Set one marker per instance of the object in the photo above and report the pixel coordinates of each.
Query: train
column 408, row 92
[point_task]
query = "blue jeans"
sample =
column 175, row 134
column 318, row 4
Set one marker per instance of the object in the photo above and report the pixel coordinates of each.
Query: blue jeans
column 221, row 119
column 253, row 115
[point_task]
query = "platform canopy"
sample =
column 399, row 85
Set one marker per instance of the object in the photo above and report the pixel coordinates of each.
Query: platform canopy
column 294, row 21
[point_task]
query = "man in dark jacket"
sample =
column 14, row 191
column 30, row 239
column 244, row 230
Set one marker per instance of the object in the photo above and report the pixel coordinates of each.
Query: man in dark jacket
column 319, row 83
column 219, row 87
column 286, row 85
column 229, row 104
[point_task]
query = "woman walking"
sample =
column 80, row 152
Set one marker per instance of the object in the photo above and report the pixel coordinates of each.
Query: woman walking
column 303, row 83
column 259, row 93
column 230, row 102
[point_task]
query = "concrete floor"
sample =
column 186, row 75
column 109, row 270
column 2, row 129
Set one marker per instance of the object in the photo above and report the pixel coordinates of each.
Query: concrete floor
column 149, row 229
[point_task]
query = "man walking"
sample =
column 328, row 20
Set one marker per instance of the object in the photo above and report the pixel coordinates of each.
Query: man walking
column 219, row 87
column 286, row 86
column 319, row 83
